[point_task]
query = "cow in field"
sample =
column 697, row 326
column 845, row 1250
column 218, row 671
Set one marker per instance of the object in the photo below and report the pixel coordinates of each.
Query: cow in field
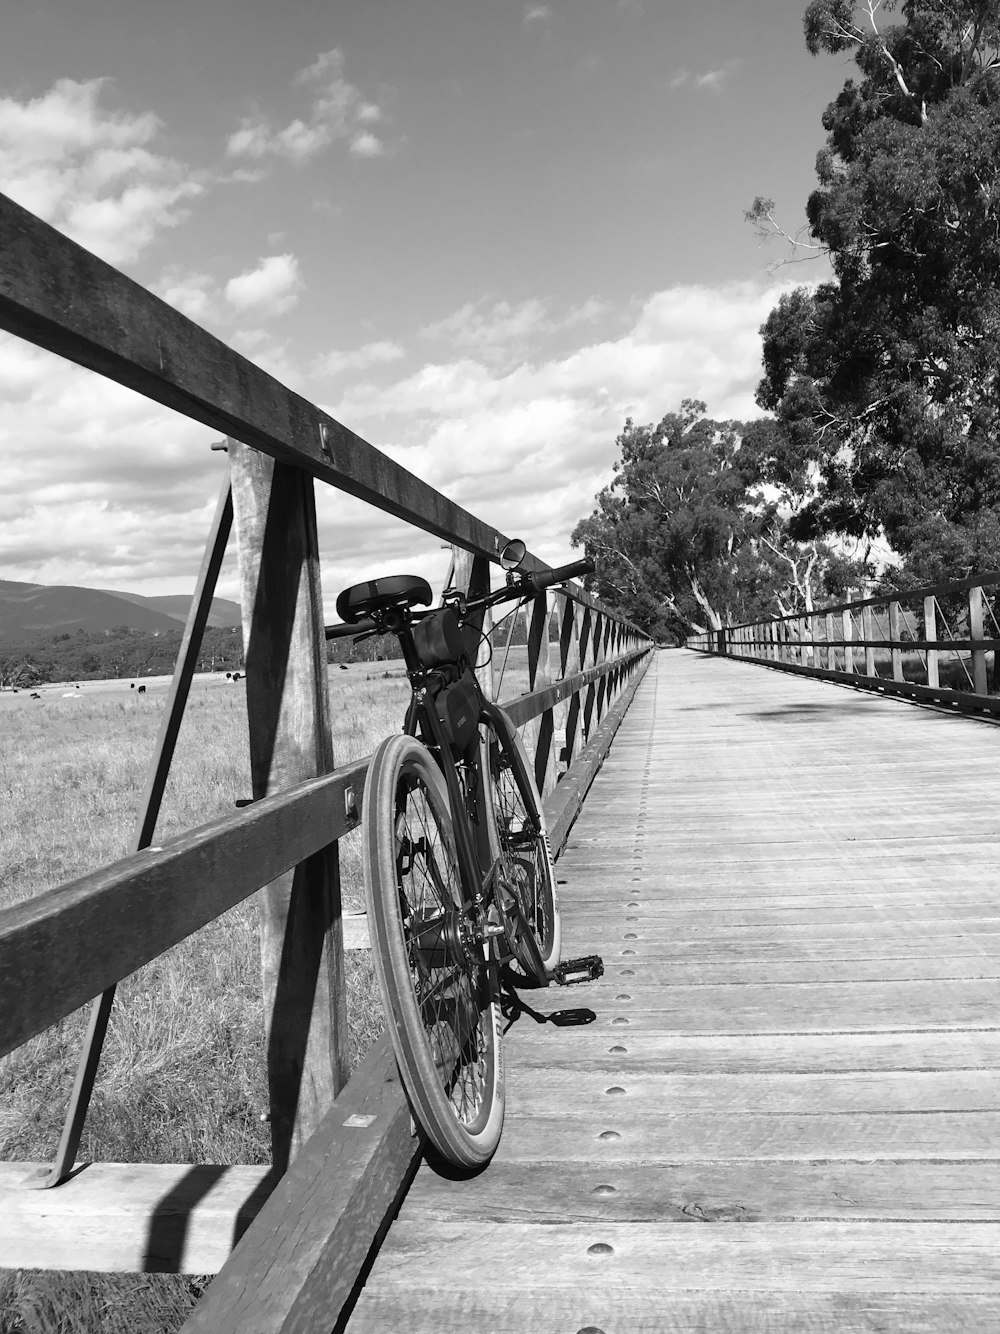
column 142, row 690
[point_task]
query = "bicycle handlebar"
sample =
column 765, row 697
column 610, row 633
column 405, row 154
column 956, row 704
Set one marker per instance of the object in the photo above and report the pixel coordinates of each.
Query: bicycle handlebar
column 544, row 579
column 527, row 586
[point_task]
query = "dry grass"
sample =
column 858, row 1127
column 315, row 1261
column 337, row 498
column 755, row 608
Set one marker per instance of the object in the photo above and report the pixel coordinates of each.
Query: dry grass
column 182, row 1077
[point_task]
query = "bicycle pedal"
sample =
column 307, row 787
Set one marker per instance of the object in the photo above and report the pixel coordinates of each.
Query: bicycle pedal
column 585, row 969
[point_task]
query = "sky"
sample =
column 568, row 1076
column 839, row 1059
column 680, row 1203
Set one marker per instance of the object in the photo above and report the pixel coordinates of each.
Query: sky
column 480, row 233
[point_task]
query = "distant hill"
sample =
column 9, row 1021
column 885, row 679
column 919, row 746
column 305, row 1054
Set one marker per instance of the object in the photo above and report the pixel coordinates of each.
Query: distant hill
column 28, row 610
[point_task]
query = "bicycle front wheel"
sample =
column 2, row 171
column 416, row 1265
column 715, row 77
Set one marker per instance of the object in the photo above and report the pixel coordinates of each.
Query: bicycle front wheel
column 436, row 983
column 520, row 841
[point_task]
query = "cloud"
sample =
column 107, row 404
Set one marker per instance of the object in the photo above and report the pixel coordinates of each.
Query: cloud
column 101, row 485
column 193, row 294
column 270, row 289
column 337, row 112
column 712, row 79
column 537, row 13
column 366, row 144
column 104, row 487
column 504, row 330
column 528, row 446
column 92, row 172
column 362, row 358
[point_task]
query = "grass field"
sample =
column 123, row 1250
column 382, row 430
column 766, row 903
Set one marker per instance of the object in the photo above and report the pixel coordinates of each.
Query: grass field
column 182, row 1076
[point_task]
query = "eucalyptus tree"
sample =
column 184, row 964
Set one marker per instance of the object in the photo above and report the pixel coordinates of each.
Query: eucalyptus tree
column 885, row 379
column 691, row 533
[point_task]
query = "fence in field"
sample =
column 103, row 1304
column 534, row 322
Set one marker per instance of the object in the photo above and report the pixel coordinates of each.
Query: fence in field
column 936, row 643
column 344, row 1147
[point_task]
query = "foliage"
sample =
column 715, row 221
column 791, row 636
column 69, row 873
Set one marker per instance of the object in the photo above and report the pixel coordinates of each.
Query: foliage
column 885, row 379
column 672, row 535
column 18, row 672
column 121, row 652
column 694, row 530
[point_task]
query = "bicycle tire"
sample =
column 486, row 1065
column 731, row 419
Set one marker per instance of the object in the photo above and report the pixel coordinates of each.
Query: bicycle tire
column 519, row 837
column 441, row 1008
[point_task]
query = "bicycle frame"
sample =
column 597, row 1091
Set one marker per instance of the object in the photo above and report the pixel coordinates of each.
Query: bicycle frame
column 477, row 866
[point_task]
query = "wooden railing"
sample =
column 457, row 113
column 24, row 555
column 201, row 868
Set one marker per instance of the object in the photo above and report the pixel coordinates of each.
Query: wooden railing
column 936, row 643
column 344, row 1145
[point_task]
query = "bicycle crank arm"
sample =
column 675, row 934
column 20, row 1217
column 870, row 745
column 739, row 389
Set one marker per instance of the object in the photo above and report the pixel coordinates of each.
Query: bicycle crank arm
column 585, row 969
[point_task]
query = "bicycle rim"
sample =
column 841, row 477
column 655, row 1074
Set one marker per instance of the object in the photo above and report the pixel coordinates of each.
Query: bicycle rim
column 520, row 841
column 444, row 1022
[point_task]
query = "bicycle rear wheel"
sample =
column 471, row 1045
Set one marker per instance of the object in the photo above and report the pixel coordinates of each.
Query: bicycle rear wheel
column 437, row 986
column 519, row 838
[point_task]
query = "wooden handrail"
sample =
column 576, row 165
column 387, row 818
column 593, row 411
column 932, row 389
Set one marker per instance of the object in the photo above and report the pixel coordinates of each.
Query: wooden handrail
column 826, row 643
column 898, row 595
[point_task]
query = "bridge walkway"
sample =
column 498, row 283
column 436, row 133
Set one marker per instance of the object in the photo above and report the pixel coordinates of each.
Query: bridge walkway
column 785, row 1115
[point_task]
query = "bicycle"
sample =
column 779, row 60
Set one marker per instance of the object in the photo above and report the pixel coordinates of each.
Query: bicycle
column 458, row 872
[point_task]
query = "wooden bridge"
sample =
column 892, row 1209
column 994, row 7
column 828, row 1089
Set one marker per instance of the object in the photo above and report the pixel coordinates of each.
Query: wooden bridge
column 778, row 1108
column 785, row 1114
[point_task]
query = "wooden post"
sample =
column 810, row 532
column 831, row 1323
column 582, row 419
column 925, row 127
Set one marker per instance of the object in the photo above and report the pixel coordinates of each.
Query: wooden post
column 868, row 631
column 539, row 676
column 301, row 934
column 930, row 634
column 895, row 627
column 583, row 643
column 471, row 574
column 569, row 664
column 848, row 634
column 831, row 652
column 976, row 632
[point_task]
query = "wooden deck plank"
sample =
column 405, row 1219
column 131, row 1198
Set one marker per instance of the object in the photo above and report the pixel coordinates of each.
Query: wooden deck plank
column 426, row 1309
column 777, row 1053
column 706, row 1192
column 792, row 887
column 859, row 1256
column 573, row 1092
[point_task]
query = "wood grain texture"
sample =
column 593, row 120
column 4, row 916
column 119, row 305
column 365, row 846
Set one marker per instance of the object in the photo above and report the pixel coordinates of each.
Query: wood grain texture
column 66, row 945
column 288, row 709
column 795, row 1044
column 154, row 1217
column 301, row 1257
column 592, row 1307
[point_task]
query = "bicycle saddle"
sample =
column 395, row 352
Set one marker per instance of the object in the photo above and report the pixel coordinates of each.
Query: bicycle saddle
column 394, row 590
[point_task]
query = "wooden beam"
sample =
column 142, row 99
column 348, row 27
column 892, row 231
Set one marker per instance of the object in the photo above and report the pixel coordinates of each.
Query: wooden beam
column 165, row 1218
column 60, row 297
column 66, row 945
column 538, row 618
column 302, row 952
column 471, row 574
column 297, row 1266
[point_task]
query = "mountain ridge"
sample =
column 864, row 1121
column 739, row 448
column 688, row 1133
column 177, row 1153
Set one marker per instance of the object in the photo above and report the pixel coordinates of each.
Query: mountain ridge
column 46, row 609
